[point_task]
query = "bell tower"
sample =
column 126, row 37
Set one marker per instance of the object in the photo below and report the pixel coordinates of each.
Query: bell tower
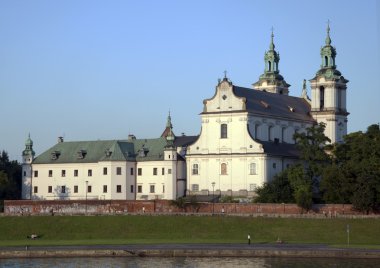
column 328, row 90
column 27, row 159
column 271, row 80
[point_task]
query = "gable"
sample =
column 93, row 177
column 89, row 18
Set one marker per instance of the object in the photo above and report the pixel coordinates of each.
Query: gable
column 224, row 99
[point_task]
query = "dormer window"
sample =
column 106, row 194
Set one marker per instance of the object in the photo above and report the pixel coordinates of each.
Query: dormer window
column 143, row 152
column 292, row 109
column 81, row 154
column 263, row 103
column 108, row 153
column 55, row 155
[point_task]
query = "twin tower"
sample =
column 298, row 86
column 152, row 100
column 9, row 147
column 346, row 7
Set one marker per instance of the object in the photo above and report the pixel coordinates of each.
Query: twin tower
column 328, row 89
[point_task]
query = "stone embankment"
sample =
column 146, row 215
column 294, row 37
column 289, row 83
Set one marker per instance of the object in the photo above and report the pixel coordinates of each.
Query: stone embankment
column 233, row 250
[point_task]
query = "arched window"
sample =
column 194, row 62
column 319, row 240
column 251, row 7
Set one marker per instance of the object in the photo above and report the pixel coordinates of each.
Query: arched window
column 269, row 66
column 195, row 170
column 257, row 131
column 223, row 131
column 223, row 169
column 321, row 97
column 283, row 131
column 326, row 61
column 270, row 133
column 252, row 169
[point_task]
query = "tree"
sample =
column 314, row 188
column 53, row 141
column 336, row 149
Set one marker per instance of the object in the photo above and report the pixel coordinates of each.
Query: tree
column 10, row 178
column 278, row 190
column 299, row 182
column 335, row 186
column 354, row 176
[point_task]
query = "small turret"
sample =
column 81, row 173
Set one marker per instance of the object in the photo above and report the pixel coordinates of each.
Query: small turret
column 27, row 159
column 271, row 80
column 28, row 154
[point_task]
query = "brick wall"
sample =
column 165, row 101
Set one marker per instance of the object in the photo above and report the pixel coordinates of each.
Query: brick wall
column 71, row 207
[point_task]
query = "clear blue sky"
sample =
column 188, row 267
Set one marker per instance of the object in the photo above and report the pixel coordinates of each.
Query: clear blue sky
column 92, row 70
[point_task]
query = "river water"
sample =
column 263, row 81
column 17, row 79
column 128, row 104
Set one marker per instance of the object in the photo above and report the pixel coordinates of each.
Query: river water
column 188, row 262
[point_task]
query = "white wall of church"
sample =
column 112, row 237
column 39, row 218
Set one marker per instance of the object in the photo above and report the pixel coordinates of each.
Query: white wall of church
column 269, row 129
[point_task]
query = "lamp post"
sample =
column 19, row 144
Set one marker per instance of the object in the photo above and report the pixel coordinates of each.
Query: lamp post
column 213, row 198
column 86, row 195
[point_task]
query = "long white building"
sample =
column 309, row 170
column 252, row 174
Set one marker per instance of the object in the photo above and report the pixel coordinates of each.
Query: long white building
column 246, row 138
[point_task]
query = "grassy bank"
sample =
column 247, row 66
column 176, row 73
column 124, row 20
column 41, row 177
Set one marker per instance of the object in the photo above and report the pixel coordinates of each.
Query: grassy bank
column 82, row 230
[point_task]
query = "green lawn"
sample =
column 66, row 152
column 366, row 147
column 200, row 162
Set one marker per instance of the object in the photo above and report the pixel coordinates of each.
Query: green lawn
column 84, row 230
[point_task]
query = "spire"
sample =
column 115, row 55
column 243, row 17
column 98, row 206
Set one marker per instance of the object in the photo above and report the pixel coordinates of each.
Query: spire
column 328, row 52
column 271, row 58
column 169, row 122
column 168, row 129
column 328, row 39
column 271, row 46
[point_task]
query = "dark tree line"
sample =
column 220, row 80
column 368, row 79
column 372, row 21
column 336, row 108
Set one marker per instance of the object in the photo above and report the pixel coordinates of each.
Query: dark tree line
column 347, row 173
column 10, row 178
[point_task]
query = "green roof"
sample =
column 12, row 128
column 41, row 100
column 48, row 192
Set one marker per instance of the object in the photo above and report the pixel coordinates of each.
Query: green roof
column 109, row 150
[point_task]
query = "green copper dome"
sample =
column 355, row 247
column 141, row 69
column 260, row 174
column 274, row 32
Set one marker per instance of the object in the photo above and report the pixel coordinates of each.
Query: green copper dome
column 29, row 141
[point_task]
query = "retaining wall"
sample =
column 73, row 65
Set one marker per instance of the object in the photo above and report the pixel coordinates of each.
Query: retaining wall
column 99, row 207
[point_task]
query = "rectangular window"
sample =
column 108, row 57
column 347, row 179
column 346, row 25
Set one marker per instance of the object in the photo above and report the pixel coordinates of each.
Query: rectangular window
column 151, row 187
column 321, row 97
column 104, row 171
column 104, row 188
column 36, row 173
column 131, row 171
column 75, row 173
column 50, row 189
column 252, row 187
column 50, row 173
column 63, row 173
column 63, row 189
column 155, row 171
column 195, row 187
column 75, row 188
column 274, row 165
column 35, row 189
column 252, row 169
column 89, row 189
column 139, row 171
column 169, row 171
column 24, row 173
column 118, row 188
column 163, row 171
column 195, row 169
column 89, row 173
column 163, row 188
column 132, row 189
column 118, row 171
column 223, row 131
column 139, row 188
column 223, row 169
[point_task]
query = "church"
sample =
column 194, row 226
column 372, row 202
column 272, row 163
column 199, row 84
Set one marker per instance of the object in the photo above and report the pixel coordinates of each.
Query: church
column 246, row 138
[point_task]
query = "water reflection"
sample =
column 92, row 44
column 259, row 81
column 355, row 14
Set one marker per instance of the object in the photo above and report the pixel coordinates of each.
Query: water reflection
column 188, row 262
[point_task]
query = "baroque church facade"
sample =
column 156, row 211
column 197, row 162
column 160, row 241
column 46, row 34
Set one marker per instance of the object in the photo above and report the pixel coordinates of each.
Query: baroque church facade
column 246, row 138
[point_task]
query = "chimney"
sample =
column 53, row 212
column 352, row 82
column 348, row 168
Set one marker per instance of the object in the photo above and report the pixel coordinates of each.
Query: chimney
column 60, row 139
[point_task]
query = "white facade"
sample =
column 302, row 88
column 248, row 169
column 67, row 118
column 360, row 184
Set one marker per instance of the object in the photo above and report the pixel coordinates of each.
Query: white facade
column 229, row 152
